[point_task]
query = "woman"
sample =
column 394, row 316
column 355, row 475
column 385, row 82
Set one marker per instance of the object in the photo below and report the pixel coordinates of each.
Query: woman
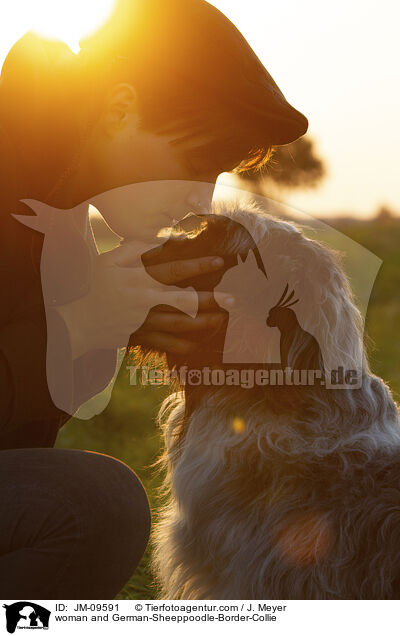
column 167, row 91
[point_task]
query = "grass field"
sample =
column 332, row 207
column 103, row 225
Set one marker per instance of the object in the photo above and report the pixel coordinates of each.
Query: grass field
column 126, row 429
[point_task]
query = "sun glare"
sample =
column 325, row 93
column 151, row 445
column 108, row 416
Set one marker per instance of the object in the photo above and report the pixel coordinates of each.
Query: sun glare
column 70, row 20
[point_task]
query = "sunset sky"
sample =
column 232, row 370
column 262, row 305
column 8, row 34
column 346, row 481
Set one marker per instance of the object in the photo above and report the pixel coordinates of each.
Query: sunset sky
column 336, row 62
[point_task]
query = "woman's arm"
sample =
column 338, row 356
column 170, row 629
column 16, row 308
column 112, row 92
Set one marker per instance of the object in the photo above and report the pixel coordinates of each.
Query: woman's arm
column 19, row 426
column 24, row 392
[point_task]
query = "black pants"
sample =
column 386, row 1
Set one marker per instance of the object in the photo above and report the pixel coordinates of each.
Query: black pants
column 73, row 524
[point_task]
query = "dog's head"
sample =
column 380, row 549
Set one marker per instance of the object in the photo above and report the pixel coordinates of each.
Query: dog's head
column 263, row 257
column 207, row 235
column 293, row 274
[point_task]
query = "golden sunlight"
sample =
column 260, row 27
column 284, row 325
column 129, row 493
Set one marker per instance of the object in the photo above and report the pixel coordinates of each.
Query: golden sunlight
column 70, row 20
column 238, row 425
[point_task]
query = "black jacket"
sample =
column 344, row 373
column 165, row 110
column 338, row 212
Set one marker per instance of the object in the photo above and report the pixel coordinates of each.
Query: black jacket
column 28, row 416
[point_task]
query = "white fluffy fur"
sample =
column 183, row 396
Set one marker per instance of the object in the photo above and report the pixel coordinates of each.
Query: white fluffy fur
column 236, row 522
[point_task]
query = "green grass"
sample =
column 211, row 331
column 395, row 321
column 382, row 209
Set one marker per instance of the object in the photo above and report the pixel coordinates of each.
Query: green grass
column 127, row 430
column 383, row 315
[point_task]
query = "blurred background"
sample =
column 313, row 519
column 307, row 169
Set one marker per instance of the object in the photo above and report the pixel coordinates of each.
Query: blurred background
column 338, row 64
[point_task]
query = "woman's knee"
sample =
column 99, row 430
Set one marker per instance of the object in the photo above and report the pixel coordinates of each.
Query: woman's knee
column 114, row 523
column 111, row 494
column 106, row 497
column 93, row 513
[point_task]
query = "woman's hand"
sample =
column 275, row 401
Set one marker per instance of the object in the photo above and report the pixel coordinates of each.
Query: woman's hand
column 121, row 297
column 169, row 331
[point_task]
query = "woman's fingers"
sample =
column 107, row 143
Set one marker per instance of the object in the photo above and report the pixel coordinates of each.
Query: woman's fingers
column 177, row 271
column 164, row 342
column 173, row 322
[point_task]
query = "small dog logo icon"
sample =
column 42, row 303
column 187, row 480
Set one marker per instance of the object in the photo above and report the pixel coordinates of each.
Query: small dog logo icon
column 26, row 615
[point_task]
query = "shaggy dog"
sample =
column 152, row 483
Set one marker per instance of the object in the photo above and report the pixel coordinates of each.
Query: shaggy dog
column 278, row 492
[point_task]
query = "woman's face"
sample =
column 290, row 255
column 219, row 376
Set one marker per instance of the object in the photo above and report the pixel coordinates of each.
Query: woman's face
column 144, row 177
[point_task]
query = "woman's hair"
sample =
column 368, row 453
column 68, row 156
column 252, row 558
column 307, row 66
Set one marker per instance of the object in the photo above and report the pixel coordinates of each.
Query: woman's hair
column 194, row 73
column 39, row 101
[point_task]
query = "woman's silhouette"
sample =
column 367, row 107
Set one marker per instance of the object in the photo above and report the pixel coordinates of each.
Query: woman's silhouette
column 167, row 90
